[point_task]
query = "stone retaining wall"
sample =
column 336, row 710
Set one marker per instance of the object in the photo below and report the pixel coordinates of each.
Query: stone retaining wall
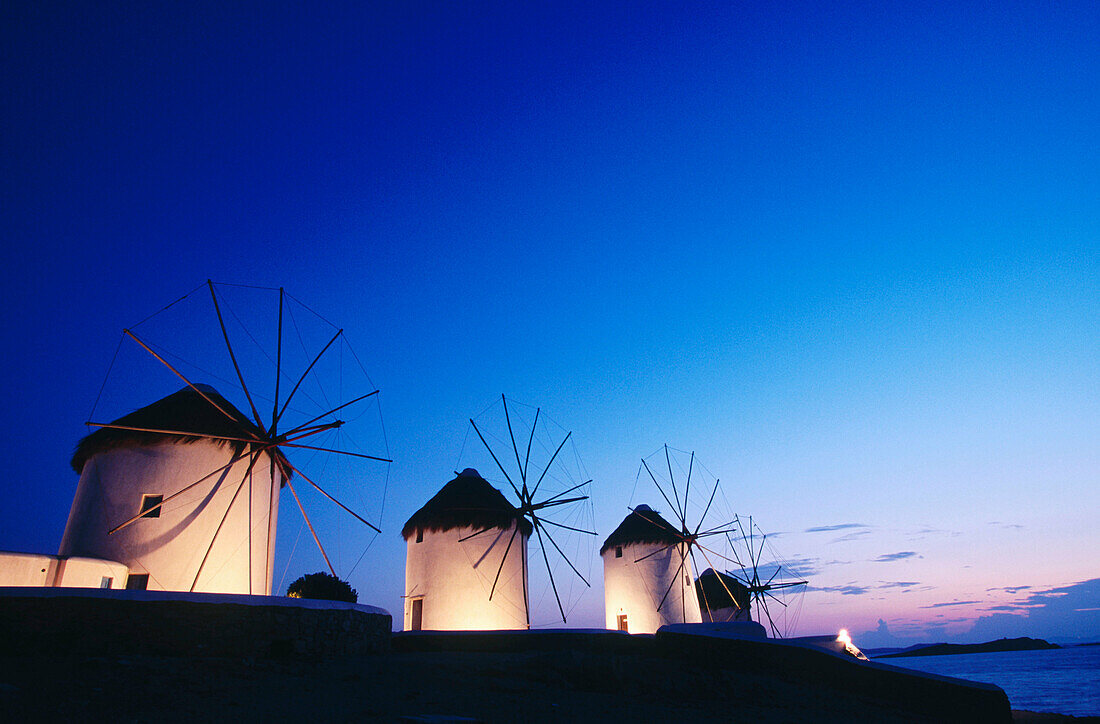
column 132, row 622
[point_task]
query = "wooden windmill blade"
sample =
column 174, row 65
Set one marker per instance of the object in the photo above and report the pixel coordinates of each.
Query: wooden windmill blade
column 766, row 592
column 303, row 422
column 327, row 376
column 550, row 493
column 775, row 595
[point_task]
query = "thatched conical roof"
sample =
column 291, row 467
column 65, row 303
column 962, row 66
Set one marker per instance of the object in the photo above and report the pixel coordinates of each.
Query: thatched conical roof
column 185, row 411
column 713, row 595
column 468, row 501
column 643, row 525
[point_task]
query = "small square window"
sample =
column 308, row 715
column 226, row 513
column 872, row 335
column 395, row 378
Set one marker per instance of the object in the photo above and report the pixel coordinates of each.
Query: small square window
column 618, row 551
column 137, row 582
column 151, row 505
column 419, row 535
column 106, row 582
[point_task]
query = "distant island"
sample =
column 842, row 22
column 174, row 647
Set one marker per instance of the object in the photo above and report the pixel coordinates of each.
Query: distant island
column 1020, row 644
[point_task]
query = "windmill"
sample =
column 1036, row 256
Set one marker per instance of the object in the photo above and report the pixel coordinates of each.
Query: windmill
column 215, row 472
column 551, row 493
column 774, row 588
column 650, row 562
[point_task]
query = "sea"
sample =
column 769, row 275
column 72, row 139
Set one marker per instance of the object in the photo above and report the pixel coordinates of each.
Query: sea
column 1059, row 681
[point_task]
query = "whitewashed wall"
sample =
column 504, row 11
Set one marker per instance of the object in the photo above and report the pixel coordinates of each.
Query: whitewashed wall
column 89, row 573
column 454, row 580
column 171, row 547
column 34, row 569
column 26, row 569
column 635, row 589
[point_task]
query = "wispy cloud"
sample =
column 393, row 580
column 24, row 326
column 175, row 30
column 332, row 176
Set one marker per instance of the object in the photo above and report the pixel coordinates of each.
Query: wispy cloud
column 950, row 603
column 1071, row 611
column 838, row 526
column 1009, row 589
column 849, row 590
column 899, row 556
column 788, row 569
column 1011, row 526
column 928, row 532
column 854, row 589
column 854, row 535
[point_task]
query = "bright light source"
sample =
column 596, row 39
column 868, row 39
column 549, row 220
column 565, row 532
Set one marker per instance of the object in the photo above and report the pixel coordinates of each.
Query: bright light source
column 843, row 637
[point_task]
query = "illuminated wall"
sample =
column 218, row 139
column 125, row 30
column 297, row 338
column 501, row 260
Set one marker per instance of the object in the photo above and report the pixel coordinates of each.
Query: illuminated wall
column 633, row 587
column 452, row 580
column 34, row 569
column 725, row 615
column 170, row 548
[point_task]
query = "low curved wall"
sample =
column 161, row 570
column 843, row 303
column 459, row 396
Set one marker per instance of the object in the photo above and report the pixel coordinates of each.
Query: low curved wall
column 37, row 570
column 102, row 621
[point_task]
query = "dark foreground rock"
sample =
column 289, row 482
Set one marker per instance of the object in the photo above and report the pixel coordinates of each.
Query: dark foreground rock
column 103, row 671
column 760, row 679
column 534, row 686
column 1022, row 716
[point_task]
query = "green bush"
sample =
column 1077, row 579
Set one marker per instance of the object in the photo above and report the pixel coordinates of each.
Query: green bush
column 322, row 586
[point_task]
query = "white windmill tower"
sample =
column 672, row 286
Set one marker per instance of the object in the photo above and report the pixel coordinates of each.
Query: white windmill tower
column 645, row 582
column 722, row 598
column 222, row 540
column 473, row 538
column 650, row 563
column 185, row 491
column 458, row 571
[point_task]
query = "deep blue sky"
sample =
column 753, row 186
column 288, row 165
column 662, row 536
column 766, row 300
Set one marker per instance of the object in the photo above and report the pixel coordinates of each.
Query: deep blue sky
column 848, row 255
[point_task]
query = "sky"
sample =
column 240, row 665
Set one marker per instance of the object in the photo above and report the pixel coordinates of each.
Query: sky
column 848, row 256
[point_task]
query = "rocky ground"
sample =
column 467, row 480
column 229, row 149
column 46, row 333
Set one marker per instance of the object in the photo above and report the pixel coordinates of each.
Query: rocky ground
column 1033, row 717
column 159, row 657
column 415, row 686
